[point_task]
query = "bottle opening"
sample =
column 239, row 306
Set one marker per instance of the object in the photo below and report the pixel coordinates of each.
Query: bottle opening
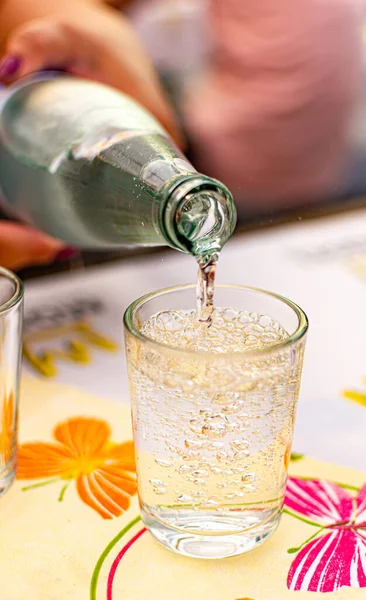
column 203, row 221
column 199, row 217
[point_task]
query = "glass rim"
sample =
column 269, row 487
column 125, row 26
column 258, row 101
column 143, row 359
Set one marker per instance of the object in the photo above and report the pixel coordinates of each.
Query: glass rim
column 300, row 332
column 18, row 294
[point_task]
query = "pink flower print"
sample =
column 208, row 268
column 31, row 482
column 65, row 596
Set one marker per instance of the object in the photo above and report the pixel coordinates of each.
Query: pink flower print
column 335, row 555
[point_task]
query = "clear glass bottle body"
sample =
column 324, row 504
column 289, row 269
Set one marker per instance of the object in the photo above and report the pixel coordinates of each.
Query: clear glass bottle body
column 88, row 165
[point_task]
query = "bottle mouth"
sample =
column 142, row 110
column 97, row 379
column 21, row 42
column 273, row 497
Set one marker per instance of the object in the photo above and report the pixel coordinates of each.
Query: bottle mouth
column 203, row 222
column 204, row 217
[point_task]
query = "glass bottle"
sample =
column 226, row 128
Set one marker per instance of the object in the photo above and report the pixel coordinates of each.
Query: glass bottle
column 86, row 164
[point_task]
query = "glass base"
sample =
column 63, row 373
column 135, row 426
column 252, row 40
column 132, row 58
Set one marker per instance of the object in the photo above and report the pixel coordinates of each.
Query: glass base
column 219, row 543
column 7, row 476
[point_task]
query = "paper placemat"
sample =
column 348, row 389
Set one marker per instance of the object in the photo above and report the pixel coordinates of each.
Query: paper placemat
column 70, row 527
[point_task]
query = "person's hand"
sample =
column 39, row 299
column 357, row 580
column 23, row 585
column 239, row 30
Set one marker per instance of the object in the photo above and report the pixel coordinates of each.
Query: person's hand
column 91, row 41
column 21, row 246
column 87, row 40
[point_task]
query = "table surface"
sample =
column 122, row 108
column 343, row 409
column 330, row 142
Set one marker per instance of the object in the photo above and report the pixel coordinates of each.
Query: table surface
column 320, row 264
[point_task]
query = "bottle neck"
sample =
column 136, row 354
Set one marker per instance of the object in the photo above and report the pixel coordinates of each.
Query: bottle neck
column 198, row 216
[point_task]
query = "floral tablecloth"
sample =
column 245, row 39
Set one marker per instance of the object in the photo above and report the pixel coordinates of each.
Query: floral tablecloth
column 70, row 527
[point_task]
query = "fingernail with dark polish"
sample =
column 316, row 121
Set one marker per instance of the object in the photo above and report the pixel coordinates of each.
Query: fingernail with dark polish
column 9, row 66
column 67, row 253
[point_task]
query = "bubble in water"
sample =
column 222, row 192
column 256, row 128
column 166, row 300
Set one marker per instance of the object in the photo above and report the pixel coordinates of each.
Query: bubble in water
column 172, row 447
column 183, row 469
column 184, row 498
column 264, row 320
column 169, row 320
column 191, row 443
column 213, row 500
column 216, row 420
column 235, row 482
column 229, row 314
column 244, row 317
column 242, row 427
column 157, row 482
column 198, row 494
column 195, row 426
column 248, row 487
column 231, row 495
column 213, row 430
column 243, row 421
column 206, row 461
column 230, row 330
column 205, row 412
column 199, row 481
column 222, row 399
column 239, row 470
column 200, row 473
column 160, row 491
column 216, row 470
column 163, row 463
column 221, row 455
column 188, row 456
column 232, row 427
column 234, row 407
column 248, row 478
column 240, row 444
column 216, row 446
column 241, row 454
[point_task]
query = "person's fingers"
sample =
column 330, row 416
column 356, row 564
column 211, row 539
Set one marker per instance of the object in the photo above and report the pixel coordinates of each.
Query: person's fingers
column 97, row 45
column 110, row 52
column 36, row 45
column 21, row 246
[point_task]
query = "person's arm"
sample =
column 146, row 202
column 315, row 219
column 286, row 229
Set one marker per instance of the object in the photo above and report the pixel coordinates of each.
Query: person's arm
column 87, row 38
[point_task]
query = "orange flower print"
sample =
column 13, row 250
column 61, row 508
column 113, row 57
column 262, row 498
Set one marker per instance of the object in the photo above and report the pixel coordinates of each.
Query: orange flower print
column 104, row 472
column 7, row 429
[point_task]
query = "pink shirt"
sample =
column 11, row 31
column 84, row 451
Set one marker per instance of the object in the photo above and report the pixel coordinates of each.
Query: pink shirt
column 272, row 117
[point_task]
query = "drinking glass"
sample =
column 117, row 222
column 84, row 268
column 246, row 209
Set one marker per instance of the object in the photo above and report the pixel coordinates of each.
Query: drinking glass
column 213, row 429
column 11, row 320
